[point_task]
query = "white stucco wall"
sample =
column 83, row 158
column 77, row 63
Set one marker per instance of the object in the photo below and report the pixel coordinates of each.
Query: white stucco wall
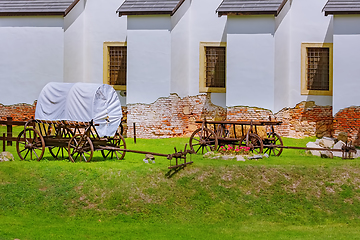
column 74, row 55
column 102, row 24
column 250, row 61
column 308, row 25
column 205, row 26
column 346, row 80
column 180, row 42
column 88, row 26
column 149, row 58
column 31, row 55
column 282, row 58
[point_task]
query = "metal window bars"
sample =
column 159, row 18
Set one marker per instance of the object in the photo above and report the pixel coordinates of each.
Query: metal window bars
column 117, row 65
column 318, row 60
column 215, row 66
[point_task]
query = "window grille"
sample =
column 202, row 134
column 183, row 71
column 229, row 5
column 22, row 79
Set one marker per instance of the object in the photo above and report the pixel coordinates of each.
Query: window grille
column 215, row 66
column 117, row 65
column 318, row 68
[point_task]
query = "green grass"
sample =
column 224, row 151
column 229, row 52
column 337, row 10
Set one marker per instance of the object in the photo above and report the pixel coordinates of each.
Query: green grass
column 294, row 196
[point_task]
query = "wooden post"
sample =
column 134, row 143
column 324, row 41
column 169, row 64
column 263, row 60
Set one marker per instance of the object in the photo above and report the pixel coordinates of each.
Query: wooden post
column 9, row 130
column 134, row 133
column 4, row 137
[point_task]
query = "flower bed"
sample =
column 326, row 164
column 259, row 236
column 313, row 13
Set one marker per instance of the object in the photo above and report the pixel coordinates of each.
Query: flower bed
column 228, row 152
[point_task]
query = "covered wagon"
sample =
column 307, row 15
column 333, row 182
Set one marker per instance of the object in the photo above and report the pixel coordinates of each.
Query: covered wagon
column 74, row 119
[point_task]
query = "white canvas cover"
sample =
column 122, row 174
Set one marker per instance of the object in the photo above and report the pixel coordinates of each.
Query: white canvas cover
column 81, row 102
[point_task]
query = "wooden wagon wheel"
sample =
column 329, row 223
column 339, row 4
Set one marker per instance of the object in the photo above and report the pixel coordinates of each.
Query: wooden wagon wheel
column 117, row 141
column 61, row 151
column 80, row 148
column 204, row 139
column 272, row 142
column 254, row 142
column 30, row 145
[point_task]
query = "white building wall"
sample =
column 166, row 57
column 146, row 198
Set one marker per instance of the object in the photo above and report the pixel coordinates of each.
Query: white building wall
column 346, row 80
column 205, row 26
column 74, row 54
column 180, row 42
column 282, row 59
column 250, row 61
column 308, row 25
column 149, row 58
column 102, row 25
column 31, row 55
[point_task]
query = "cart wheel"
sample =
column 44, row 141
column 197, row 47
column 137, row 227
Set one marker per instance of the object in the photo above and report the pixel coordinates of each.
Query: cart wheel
column 61, row 151
column 117, row 142
column 204, row 139
column 255, row 143
column 80, row 148
column 271, row 142
column 30, row 145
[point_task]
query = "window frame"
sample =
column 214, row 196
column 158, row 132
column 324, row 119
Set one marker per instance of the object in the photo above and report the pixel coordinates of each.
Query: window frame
column 106, row 57
column 202, row 68
column 304, row 64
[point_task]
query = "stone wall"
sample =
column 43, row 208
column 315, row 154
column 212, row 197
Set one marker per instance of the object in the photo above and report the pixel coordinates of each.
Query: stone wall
column 19, row 112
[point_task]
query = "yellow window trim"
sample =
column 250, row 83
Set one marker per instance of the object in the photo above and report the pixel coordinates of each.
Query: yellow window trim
column 304, row 90
column 202, row 82
column 106, row 62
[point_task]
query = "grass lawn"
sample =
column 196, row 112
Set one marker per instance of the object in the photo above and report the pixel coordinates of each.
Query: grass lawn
column 294, row 196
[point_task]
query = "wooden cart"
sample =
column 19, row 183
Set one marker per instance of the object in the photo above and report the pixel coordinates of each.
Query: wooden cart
column 93, row 122
column 213, row 134
column 76, row 140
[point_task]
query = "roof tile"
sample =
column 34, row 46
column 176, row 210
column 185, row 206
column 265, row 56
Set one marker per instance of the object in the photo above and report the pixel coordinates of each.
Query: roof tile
column 342, row 7
column 35, row 7
column 144, row 7
column 239, row 7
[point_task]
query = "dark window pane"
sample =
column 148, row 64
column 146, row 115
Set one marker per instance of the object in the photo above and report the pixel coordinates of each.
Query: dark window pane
column 117, row 65
column 215, row 66
column 318, row 60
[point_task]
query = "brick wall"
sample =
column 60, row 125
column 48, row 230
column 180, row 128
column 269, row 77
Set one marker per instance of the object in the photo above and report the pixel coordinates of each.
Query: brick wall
column 19, row 112
column 305, row 119
column 172, row 116
column 348, row 120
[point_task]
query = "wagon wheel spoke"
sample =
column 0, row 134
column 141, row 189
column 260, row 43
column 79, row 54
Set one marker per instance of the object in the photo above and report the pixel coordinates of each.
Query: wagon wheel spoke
column 30, row 141
column 200, row 134
column 35, row 153
column 106, row 154
column 198, row 149
column 80, row 146
column 27, row 152
column 274, row 143
column 204, row 139
column 117, row 142
column 254, row 142
column 116, row 156
column 63, row 134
